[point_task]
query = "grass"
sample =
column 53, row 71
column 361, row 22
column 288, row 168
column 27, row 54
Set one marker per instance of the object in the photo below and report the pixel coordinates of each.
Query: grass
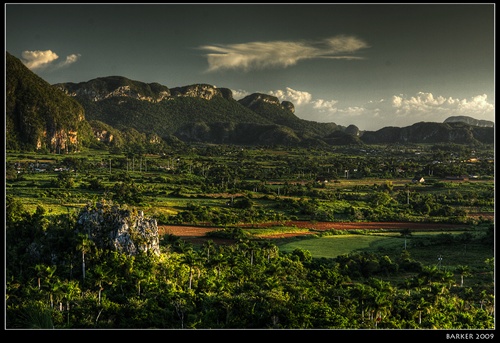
column 261, row 232
column 333, row 246
column 425, row 247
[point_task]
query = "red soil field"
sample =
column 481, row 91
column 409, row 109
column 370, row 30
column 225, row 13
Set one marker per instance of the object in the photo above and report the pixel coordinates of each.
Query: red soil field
column 196, row 234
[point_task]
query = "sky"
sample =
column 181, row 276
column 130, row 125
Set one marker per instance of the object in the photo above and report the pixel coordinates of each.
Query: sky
column 369, row 65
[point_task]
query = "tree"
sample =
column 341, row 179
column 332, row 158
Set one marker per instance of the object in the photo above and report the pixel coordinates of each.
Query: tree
column 192, row 261
column 406, row 233
column 208, row 247
column 463, row 271
column 47, row 280
column 101, row 274
column 84, row 246
column 302, row 255
column 65, row 179
column 14, row 210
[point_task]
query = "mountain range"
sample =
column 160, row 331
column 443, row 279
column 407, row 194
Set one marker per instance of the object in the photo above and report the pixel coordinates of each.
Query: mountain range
column 114, row 110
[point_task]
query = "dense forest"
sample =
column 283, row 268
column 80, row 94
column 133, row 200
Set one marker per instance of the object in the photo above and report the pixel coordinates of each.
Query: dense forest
column 63, row 280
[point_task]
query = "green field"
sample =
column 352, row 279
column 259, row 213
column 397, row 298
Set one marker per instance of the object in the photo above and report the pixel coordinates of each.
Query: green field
column 333, row 246
column 431, row 249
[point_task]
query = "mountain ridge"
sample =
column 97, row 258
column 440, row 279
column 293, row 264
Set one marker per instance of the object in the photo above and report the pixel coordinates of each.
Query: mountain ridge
column 136, row 111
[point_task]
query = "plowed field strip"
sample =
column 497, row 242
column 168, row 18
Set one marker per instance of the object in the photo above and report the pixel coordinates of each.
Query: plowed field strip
column 200, row 231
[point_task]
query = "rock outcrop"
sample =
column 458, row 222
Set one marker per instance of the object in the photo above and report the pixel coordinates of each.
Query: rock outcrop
column 287, row 105
column 252, row 99
column 124, row 230
column 115, row 86
column 203, row 91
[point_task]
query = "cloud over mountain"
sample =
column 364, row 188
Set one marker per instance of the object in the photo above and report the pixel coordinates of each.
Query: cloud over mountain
column 279, row 54
column 392, row 111
column 39, row 59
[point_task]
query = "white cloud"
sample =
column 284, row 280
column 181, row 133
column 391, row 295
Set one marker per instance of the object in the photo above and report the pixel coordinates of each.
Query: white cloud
column 399, row 110
column 402, row 110
column 325, row 105
column 426, row 105
column 296, row 97
column 38, row 59
column 239, row 94
column 477, row 104
column 41, row 59
column 70, row 60
column 281, row 54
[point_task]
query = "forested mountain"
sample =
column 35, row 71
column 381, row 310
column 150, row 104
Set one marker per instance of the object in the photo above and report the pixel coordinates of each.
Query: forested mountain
column 114, row 111
column 197, row 113
column 427, row 132
column 40, row 116
column 470, row 121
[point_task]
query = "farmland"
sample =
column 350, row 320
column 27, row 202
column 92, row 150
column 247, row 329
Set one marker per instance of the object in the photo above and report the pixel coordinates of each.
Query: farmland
column 387, row 214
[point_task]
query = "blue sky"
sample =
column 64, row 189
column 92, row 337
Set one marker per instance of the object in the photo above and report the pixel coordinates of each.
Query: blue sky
column 371, row 65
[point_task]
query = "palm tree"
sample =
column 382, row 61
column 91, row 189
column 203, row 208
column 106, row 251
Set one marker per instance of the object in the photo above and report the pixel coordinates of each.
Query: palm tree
column 102, row 274
column 270, row 248
column 406, row 233
column 71, row 289
column 361, row 292
column 208, row 246
column 44, row 272
column 84, row 246
column 192, row 261
column 381, row 298
column 407, row 285
column 141, row 275
column 463, row 271
column 421, row 305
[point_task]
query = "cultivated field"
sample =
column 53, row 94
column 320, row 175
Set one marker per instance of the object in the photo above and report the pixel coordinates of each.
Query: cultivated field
column 198, row 233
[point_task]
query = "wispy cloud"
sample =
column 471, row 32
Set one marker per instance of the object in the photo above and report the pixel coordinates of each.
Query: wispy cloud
column 70, row 59
column 279, row 54
column 396, row 110
column 39, row 59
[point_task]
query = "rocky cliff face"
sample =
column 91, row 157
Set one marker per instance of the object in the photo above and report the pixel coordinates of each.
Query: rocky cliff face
column 115, row 86
column 287, row 105
column 203, row 91
column 254, row 99
column 126, row 231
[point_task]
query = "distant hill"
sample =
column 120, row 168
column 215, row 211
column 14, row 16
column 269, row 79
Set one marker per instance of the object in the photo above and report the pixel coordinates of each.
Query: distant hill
column 197, row 113
column 470, row 121
column 115, row 111
column 429, row 132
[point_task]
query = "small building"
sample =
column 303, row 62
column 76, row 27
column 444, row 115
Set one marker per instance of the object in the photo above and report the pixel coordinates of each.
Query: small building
column 418, row 179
